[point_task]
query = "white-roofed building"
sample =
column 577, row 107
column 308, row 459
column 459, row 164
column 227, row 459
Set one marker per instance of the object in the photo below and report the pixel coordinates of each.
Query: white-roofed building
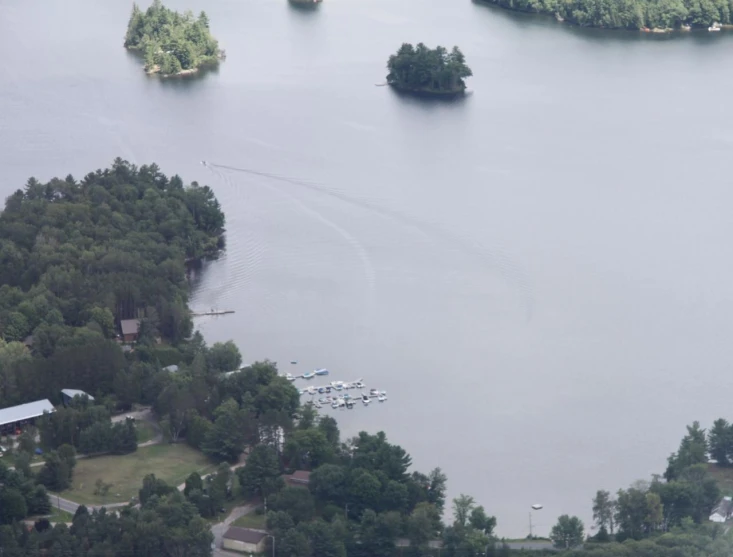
column 67, row 395
column 12, row 418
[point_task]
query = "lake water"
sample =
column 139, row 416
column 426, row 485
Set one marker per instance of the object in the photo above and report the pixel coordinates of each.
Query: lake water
column 539, row 275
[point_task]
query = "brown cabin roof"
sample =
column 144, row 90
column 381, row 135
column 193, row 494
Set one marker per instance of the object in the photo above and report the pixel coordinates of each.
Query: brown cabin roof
column 130, row 326
column 244, row 535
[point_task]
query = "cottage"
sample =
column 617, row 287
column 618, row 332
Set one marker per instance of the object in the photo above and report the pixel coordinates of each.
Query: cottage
column 722, row 510
column 299, row 478
column 130, row 329
column 244, row 540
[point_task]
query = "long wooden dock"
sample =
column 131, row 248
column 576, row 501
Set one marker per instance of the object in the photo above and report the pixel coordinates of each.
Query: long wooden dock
column 212, row 312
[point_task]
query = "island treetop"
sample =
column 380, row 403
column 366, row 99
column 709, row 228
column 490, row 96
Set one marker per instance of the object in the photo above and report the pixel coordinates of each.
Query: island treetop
column 419, row 69
column 172, row 43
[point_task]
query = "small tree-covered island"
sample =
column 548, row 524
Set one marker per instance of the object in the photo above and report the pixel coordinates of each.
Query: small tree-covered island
column 172, row 43
column 657, row 15
column 424, row 71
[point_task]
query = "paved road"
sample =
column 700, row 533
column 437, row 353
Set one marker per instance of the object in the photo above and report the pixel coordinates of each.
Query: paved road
column 220, row 528
column 530, row 545
column 145, row 414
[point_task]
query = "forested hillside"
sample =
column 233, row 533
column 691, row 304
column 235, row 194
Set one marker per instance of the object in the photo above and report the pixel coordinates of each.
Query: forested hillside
column 629, row 14
column 78, row 256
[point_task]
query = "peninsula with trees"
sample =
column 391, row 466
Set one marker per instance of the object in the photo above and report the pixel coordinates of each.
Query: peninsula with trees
column 172, row 43
column 80, row 255
column 657, row 15
column 424, row 71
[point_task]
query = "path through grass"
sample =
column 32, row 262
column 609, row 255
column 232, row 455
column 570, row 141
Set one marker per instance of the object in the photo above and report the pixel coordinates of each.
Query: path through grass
column 172, row 463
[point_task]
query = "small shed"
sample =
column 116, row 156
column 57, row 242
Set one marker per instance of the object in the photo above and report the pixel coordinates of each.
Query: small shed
column 722, row 510
column 67, row 395
column 130, row 329
column 244, row 540
column 299, row 478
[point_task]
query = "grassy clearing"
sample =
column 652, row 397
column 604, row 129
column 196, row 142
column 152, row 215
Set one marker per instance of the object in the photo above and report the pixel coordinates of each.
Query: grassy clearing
column 144, row 431
column 251, row 520
column 172, row 463
column 724, row 477
column 57, row 515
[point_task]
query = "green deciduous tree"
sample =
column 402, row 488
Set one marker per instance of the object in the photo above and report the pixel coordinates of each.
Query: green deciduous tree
column 261, row 475
column 604, row 508
column 568, row 532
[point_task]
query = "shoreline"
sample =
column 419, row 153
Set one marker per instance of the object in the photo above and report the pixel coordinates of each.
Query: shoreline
column 683, row 29
column 427, row 93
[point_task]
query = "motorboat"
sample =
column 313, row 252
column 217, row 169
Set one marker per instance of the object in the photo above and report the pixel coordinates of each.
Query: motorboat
column 311, row 390
column 350, row 405
column 714, row 27
column 328, row 388
column 321, row 390
column 293, row 362
column 335, row 404
column 324, row 400
column 309, row 375
column 322, row 371
column 289, row 377
column 301, row 391
column 346, row 396
column 365, row 398
column 335, row 384
column 359, row 384
column 318, row 404
column 338, row 387
column 382, row 398
column 373, row 392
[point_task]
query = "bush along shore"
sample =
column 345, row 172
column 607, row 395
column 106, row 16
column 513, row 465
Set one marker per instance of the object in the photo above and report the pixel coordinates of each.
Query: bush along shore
column 172, row 43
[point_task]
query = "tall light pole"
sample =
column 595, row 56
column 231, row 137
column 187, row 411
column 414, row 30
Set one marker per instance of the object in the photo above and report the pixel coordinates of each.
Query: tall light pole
column 273, row 543
column 535, row 507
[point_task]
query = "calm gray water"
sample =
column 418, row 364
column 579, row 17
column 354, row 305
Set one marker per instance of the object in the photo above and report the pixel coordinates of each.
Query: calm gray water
column 539, row 275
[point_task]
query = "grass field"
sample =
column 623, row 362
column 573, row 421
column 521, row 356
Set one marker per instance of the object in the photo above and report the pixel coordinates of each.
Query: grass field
column 57, row 515
column 251, row 520
column 172, row 463
column 144, row 431
column 724, row 477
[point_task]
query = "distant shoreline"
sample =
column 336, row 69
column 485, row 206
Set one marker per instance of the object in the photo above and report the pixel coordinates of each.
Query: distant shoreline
column 684, row 28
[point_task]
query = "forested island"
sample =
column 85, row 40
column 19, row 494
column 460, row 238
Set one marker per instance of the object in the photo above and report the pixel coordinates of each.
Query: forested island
column 656, row 15
column 172, row 43
column 420, row 70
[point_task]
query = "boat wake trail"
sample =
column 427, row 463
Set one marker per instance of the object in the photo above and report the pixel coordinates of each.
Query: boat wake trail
column 350, row 239
column 495, row 258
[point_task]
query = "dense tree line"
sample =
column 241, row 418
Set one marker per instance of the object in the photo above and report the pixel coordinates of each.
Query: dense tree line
column 21, row 495
column 667, row 516
column 629, row 14
column 170, row 41
column 166, row 525
column 78, row 256
column 88, row 428
column 361, row 498
column 424, row 70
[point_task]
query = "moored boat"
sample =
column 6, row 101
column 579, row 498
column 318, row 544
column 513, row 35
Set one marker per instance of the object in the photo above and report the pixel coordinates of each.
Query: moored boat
column 322, row 371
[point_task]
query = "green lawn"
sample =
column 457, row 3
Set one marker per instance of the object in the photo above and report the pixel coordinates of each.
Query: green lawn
column 724, row 477
column 251, row 520
column 172, row 463
column 57, row 515
column 144, row 430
